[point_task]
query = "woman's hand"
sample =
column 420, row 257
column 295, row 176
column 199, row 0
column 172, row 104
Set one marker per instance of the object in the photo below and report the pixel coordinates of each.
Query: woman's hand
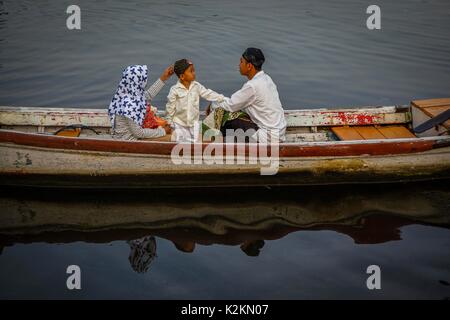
column 167, row 73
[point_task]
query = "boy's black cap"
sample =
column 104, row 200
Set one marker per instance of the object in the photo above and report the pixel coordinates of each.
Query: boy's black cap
column 254, row 56
column 180, row 66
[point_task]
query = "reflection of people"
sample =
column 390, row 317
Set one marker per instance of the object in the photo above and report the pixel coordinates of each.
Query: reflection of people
column 250, row 247
column 184, row 246
column 142, row 253
column 253, row 247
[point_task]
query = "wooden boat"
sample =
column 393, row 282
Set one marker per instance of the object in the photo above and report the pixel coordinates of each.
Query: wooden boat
column 323, row 146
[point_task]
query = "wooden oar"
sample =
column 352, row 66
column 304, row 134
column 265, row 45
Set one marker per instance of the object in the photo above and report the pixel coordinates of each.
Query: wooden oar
column 439, row 119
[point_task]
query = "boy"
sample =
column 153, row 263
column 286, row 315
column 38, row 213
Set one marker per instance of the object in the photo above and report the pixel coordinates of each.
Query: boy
column 184, row 99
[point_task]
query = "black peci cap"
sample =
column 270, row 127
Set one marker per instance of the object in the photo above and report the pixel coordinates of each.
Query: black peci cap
column 254, row 56
column 180, row 66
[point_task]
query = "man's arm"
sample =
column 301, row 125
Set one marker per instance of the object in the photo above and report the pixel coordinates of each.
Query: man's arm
column 238, row 101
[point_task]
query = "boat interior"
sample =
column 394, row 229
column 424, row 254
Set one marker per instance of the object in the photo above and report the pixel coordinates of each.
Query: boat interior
column 422, row 118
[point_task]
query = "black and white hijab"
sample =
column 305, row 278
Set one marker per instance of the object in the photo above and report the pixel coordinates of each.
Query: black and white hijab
column 129, row 99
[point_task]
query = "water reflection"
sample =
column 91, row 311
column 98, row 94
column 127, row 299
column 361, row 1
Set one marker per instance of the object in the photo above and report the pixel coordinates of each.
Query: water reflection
column 25, row 211
column 370, row 228
column 184, row 245
column 142, row 253
column 188, row 219
column 252, row 248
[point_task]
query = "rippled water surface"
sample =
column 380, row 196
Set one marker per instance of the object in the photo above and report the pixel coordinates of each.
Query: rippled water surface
column 319, row 53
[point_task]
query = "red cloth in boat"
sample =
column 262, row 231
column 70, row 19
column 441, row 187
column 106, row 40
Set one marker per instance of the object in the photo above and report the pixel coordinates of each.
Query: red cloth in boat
column 151, row 121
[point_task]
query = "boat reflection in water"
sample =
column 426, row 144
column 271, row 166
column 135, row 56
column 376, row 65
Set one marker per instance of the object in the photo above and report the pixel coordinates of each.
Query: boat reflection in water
column 244, row 218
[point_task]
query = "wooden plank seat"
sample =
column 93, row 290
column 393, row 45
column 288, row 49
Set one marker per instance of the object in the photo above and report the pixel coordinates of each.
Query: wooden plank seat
column 372, row 132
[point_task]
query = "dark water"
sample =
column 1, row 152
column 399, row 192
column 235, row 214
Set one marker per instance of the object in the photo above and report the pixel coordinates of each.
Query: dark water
column 282, row 243
column 258, row 244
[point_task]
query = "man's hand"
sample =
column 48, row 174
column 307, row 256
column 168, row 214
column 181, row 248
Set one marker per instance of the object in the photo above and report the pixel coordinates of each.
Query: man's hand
column 167, row 128
column 208, row 110
column 167, row 73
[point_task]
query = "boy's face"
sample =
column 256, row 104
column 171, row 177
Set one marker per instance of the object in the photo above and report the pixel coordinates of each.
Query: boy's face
column 189, row 74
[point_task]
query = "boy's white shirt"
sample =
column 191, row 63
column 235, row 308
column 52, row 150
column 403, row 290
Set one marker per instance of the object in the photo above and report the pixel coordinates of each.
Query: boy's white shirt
column 183, row 105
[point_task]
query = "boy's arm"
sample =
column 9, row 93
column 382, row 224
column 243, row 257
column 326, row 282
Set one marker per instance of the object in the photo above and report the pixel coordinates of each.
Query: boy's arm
column 171, row 106
column 209, row 94
column 238, row 101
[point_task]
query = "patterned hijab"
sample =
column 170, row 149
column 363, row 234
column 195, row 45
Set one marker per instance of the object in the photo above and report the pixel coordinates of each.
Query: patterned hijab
column 142, row 253
column 129, row 100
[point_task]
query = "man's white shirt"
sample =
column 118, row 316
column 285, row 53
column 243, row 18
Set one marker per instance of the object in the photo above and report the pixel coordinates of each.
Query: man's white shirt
column 259, row 98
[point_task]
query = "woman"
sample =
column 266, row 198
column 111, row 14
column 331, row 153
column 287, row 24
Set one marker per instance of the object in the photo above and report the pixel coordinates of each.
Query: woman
column 128, row 106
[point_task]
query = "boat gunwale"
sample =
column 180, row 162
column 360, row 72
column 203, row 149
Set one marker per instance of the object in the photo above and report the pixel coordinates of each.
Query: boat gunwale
column 103, row 111
column 50, row 117
column 289, row 149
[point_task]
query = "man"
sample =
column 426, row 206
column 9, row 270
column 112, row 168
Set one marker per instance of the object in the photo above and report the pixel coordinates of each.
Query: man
column 258, row 98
